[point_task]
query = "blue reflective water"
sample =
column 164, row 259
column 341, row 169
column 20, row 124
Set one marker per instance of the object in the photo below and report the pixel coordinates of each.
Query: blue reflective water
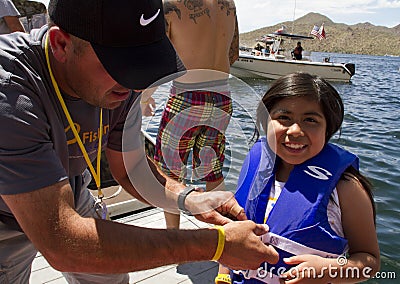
column 371, row 130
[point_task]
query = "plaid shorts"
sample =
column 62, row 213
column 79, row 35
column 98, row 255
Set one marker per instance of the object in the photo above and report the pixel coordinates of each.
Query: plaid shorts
column 194, row 120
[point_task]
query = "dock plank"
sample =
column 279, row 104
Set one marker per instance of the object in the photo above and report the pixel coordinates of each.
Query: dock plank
column 45, row 275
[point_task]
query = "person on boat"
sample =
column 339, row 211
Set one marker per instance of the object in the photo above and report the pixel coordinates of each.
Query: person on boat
column 67, row 93
column 9, row 21
column 267, row 49
column 298, row 51
column 304, row 188
column 258, row 47
column 199, row 106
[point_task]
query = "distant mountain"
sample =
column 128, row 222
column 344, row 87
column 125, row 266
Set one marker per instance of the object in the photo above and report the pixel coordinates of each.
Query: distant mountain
column 397, row 28
column 362, row 38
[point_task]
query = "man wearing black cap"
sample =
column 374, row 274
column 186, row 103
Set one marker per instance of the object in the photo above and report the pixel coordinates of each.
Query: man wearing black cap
column 65, row 94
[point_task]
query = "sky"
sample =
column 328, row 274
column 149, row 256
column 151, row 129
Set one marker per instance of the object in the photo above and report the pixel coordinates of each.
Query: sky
column 255, row 14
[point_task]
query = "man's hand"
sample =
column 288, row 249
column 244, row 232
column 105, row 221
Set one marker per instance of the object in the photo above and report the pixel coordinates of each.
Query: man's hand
column 244, row 248
column 215, row 207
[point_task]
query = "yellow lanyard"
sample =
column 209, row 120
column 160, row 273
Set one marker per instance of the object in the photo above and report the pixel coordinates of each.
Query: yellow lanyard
column 96, row 176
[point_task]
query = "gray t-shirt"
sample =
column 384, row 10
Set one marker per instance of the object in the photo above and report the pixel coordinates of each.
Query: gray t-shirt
column 7, row 8
column 37, row 146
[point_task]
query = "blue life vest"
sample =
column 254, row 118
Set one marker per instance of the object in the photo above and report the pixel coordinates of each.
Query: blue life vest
column 299, row 216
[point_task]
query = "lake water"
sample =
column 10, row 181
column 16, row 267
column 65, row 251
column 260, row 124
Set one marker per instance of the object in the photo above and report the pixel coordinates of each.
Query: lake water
column 371, row 130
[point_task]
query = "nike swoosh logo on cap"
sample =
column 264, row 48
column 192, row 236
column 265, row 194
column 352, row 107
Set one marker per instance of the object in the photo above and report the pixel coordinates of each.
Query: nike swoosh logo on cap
column 145, row 22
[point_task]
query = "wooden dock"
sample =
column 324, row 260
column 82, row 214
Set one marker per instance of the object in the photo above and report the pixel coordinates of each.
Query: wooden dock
column 196, row 272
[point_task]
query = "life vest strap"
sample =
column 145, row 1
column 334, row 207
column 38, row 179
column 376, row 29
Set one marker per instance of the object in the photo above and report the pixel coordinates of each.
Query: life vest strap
column 293, row 247
column 285, row 244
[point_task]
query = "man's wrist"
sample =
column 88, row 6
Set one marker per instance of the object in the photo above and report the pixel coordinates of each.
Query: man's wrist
column 182, row 197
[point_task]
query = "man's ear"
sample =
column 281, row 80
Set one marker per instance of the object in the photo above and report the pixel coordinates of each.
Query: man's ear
column 60, row 42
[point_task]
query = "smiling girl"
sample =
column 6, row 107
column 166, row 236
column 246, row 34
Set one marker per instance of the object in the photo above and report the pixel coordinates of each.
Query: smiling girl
column 318, row 206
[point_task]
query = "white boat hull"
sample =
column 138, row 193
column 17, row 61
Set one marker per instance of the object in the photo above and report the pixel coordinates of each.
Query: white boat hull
column 272, row 68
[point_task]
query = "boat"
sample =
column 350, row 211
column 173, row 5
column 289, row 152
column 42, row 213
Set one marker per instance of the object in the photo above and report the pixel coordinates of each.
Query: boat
column 275, row 63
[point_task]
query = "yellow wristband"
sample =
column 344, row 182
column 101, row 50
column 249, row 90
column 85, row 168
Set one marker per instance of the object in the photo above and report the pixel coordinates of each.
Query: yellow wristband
column 221, row 243
column 145, row 102
column 223, row 278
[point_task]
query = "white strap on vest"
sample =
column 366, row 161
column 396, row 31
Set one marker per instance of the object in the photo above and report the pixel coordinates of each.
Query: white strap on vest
column 294, row 247
column 286, row 245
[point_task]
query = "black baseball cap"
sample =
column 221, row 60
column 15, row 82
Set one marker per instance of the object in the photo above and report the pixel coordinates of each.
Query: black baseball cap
column 128, row 37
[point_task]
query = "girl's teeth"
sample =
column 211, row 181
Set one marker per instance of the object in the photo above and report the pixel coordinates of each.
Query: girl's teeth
column 295, row 146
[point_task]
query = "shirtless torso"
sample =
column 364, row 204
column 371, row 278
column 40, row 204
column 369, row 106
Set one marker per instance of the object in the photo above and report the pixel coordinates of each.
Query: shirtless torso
column 204, row 32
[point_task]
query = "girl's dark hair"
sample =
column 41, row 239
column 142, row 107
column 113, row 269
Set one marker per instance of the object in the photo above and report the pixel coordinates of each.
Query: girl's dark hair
column 302, row 84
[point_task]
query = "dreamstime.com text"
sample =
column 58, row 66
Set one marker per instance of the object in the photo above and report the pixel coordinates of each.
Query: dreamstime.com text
column 331, row 271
